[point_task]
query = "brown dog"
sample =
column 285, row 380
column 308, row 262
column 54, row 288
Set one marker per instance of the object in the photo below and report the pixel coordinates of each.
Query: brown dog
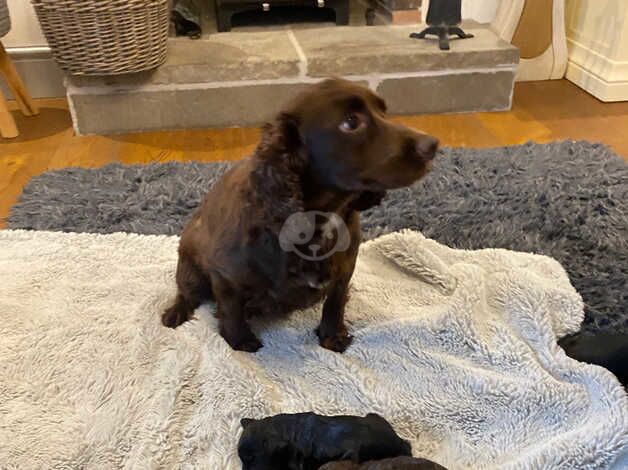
column 280, row 231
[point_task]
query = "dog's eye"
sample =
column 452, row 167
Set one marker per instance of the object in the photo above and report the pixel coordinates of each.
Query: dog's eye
column 352, row 123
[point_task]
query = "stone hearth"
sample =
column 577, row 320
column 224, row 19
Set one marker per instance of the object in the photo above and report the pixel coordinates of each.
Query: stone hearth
column 242, row 78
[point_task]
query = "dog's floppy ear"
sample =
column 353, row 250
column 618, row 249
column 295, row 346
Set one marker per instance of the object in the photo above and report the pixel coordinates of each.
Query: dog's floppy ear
column 244, row 422
column 280, row 135
column 281, row 161
column 288, row 126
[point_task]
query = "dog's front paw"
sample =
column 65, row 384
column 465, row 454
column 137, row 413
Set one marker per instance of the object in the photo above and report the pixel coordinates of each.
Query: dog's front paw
column 174, row 316
column 338, row 342
column 245, row 342
column 248, row 345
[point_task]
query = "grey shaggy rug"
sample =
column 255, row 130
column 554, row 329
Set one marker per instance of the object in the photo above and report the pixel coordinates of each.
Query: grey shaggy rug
column 567, row 200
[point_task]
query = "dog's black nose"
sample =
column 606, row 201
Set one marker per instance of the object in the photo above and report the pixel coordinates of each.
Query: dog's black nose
column 426, row 146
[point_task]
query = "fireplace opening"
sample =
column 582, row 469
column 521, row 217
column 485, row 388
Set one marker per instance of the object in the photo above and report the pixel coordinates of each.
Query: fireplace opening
column 283, row 15
column 231, row 13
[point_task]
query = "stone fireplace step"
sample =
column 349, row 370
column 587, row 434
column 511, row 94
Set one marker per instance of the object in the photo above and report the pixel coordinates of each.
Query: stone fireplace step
column 243, row 78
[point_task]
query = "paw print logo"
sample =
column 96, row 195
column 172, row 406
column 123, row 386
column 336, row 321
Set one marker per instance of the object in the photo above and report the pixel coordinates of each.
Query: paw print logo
column 298, row 235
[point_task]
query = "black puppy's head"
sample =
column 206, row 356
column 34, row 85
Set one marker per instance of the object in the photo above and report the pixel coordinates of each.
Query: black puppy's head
column 349, row 142
column 260, row 448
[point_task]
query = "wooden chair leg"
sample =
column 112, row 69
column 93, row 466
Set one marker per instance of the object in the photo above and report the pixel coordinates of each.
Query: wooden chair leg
column 16, row 85
column 8, row 129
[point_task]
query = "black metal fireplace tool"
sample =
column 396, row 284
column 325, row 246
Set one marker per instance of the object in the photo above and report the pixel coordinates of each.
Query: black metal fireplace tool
column 443, row 19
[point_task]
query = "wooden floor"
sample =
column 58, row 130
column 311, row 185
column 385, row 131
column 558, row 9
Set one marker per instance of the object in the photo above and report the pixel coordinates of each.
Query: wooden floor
column 542, row 112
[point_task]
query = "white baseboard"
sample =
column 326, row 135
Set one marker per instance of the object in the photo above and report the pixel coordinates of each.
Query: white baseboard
column 601, row 66
column 597, row 86
column 39, row 72
column 604, row 78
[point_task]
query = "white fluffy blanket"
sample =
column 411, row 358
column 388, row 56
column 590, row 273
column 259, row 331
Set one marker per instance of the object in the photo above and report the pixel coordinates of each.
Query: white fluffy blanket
column 456, row 348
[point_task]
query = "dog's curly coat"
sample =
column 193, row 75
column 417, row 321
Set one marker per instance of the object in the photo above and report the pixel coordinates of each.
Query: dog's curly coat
column 331, row 151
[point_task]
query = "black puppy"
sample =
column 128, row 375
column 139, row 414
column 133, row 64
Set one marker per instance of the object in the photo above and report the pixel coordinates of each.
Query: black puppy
column 609, row 350
column 305, row 441
column 396, row 463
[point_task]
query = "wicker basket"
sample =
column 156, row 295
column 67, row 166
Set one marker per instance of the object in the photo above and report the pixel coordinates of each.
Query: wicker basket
column 105, row 37
column 5, row 20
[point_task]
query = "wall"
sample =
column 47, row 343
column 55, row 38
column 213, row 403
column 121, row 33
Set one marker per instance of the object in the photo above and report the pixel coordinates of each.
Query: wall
column 25, row 31
column 29, row 51
column 597, row 37
column 480, row 10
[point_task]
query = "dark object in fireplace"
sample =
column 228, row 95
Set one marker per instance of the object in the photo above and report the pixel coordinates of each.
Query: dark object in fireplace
column 186, row 18
column 443, row 18
column 225, row 9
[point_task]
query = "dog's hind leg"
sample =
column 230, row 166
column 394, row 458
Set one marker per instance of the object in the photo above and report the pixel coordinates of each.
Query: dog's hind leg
column 194, row 288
